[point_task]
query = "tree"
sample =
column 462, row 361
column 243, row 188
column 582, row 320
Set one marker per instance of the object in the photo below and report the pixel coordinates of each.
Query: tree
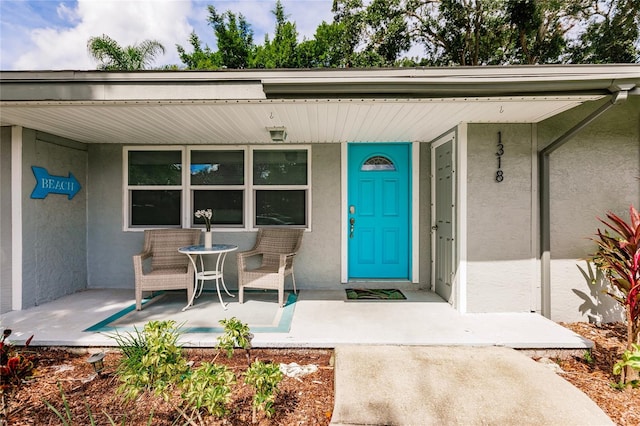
column 325, row 49
column 387, row 30
column 611, row 36
column 453, row 32
column 199, row 59
column 372, row 35
column 130, row 58
column 282, row 51
column 234, row 38
column 540, row 28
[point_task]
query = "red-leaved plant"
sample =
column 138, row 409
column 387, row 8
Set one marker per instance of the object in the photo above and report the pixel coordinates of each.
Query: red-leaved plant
column 15, row 367
column 618, row 256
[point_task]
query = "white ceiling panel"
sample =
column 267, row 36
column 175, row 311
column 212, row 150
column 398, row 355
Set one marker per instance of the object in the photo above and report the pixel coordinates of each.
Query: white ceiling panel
column 245, row 121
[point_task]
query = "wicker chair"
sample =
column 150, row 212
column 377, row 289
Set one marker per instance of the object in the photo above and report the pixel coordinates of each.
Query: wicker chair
column 169, row 270
column 277, row 246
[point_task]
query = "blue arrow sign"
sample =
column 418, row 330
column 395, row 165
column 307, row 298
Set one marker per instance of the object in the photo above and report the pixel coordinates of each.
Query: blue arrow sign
column 47, row 184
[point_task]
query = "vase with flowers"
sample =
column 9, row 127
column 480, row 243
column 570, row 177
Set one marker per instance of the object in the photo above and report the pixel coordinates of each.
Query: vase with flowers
column 207, row 215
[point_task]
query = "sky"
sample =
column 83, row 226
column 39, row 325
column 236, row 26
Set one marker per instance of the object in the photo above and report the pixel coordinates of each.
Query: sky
column 53, row 34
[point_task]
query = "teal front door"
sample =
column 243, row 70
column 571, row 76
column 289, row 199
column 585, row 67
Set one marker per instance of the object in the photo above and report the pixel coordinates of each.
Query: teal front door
column 378, row 228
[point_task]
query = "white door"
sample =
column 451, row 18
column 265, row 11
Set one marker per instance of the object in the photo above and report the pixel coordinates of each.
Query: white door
column 443, row 216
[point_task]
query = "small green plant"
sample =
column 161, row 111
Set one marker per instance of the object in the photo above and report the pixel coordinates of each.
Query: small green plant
column 236, row 335
column 588, row 357
column 264, row 377
column 209, row 387
column 630, row 359
column 152, row 360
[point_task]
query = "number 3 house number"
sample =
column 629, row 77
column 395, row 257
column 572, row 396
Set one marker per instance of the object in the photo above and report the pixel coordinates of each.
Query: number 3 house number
column 499, row 154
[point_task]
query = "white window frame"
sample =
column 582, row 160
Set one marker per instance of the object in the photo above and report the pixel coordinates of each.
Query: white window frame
column 243, row 187
column 126, row 193
column 187, row 218
column 306, row 188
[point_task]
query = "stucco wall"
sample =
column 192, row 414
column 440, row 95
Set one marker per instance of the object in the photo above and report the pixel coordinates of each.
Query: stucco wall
column 110, row 249
column 593, row 173
column 5, row 220
column 501, row 269
column 53, row 228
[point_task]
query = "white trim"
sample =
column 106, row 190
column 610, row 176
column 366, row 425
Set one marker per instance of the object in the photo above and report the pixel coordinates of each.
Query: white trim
column 461, row 218
column 16, row 217
column 126, row 189
column 188, row 198
column 251, row 188
column 415, row 212
column 186, row 188
column 344, row 217
column 536, row 288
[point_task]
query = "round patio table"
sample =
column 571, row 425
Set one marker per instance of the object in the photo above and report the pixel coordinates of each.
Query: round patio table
column 196, row 255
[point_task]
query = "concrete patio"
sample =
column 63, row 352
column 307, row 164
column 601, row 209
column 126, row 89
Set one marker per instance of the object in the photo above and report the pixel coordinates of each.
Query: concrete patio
column 321, row 319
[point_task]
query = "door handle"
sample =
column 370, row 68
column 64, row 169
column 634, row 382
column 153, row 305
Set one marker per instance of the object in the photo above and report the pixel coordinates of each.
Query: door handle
column 352, row 223
column 434, row 228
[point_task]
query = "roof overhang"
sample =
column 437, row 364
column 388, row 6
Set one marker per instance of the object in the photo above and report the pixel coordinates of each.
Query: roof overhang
column 315, row 106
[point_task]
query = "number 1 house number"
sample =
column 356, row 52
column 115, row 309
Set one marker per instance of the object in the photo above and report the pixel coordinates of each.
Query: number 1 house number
column 499, row 154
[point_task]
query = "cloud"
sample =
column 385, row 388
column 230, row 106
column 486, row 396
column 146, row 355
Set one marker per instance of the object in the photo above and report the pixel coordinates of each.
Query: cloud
column 128, row 22
column 53, row 34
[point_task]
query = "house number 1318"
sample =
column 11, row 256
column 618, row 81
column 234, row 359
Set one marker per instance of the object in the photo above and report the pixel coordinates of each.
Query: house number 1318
column 499, row 154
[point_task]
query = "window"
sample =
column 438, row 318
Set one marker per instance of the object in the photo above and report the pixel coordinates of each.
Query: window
column 245, row 187
column 378, row 163
column 280, row 179
column 218, row 183
column 154, row 187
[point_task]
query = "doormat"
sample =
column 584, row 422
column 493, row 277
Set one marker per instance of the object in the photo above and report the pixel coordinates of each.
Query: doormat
column 260, row 311
column 374, row 294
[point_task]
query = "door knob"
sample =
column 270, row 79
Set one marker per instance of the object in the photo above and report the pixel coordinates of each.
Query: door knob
column 434, row 228
column 352, row 221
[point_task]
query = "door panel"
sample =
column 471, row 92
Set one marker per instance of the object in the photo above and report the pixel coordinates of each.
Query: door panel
column 379, row 186
column 444, row 215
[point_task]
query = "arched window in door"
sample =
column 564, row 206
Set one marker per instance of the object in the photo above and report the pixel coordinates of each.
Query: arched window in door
column 378, row 163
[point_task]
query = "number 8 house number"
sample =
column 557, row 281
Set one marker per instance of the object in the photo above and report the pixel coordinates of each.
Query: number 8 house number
column 499, row 154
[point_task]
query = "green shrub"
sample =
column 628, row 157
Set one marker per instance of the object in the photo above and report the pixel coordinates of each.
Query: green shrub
column 630, row 359
column 152, row 360
column 236, row 335
column 264, row 377
column 208, row 386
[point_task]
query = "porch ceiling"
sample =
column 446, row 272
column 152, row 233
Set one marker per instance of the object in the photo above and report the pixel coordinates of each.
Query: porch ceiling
column 315, row 106
column 191, row 121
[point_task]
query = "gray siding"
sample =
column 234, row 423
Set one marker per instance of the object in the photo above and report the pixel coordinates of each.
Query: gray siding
column 110, row 249
column 501, row 268
column 597, row 171
column 54, row 229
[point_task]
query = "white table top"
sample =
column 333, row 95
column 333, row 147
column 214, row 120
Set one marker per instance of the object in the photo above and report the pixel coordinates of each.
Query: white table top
column 215, row 249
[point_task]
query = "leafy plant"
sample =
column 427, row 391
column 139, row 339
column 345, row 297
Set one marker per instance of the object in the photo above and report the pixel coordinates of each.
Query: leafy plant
column 152, row 360
column 618, row 256
column 236, row 335
column 264, row 377
column 208, row 386
column 630, row 359
column 15, row 367
column 588, row 357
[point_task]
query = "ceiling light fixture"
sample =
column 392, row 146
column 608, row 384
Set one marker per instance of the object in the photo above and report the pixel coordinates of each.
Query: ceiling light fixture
column 278, row 134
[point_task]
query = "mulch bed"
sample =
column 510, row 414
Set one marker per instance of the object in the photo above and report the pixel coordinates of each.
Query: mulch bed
column 306, row 400
column 595, row 378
